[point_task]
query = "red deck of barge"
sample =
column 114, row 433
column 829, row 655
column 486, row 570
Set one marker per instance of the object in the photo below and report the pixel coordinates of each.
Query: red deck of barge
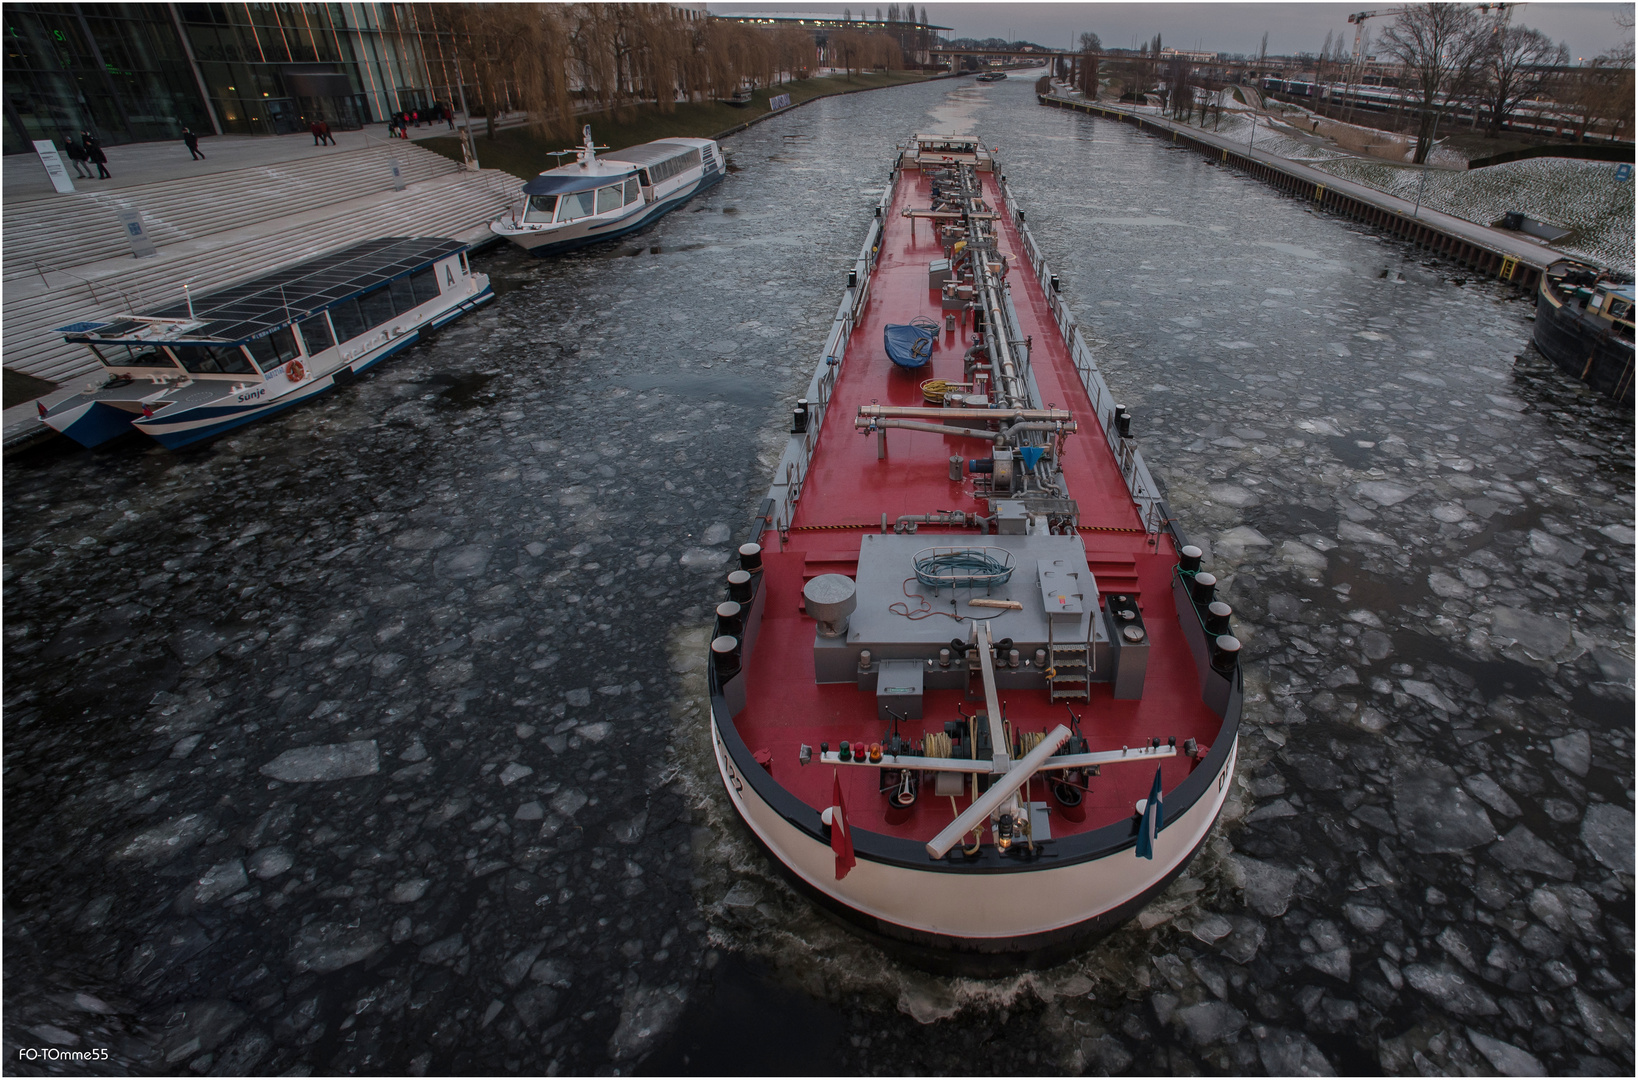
column 846, row 492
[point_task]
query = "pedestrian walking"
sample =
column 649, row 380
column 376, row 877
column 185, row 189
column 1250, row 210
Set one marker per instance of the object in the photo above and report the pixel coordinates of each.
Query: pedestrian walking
column 324, row 131
column 94, row 154
column 192, row 142
column 76, row 155
column 318, row 133
column 449, row 115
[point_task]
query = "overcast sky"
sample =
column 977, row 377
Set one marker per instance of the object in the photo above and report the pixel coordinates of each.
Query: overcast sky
column 1586, row 29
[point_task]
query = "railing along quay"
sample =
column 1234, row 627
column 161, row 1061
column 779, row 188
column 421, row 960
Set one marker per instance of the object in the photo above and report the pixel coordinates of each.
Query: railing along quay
column 1518, row 268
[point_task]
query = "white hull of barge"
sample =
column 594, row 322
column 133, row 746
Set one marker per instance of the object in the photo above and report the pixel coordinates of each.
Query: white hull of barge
column 990, row 914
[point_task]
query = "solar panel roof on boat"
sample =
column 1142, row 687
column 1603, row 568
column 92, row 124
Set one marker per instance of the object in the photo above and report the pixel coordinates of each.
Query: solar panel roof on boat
column 256, row 307
column 648, row 153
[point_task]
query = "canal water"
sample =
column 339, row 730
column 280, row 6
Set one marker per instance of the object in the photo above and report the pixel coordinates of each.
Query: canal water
column 371, row 738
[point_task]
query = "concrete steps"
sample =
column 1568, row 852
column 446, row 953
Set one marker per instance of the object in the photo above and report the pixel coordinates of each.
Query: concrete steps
column 227, row 247
column 57, row 232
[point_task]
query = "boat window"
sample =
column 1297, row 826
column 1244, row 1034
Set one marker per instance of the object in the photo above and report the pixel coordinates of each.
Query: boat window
column 129, row 356
column 214, row 359
column 273, row 350
column 348, row 320
column 611, row 198
column 643, row 178
column 633, row 192
column 376, row 306
column 425, row 284
column 665, row 170
column 540, row 208
column 403, row 294
column 575, row 206
column 316, row 335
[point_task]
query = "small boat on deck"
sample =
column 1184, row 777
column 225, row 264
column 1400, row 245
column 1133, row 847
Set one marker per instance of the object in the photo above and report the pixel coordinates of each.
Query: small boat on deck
column 214, row 362
column 971, row 688
column 1584, row 324
column 600, row 198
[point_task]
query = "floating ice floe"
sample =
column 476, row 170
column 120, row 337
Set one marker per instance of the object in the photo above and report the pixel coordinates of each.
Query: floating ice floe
column 335, row 761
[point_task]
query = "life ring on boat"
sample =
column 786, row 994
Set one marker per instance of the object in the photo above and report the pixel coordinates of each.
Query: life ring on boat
column 294, row 371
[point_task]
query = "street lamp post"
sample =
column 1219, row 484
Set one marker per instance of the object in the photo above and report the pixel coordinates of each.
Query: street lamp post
column 1423, row 183
column 468, row 147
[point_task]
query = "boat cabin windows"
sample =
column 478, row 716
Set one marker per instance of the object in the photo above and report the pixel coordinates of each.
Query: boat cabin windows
column 577, row 205
column 316, row 334
column 634, row 193
column 539, row 209
column 383, row 303
column 670, row 167
column 348, row 320
column 274, row 350
column 377, row 306
column 118, row 356
column 425, row 284
column 643, row 178
column 403, row 294
column 214, row 359
column 610, row 198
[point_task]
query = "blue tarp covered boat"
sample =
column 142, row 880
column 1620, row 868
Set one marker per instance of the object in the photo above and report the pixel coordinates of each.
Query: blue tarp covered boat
column 910, row 345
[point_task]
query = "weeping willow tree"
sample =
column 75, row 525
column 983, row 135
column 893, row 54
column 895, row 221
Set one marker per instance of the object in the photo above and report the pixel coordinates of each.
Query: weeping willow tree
column 549, row 59
column 857, row 50
column 514, row 56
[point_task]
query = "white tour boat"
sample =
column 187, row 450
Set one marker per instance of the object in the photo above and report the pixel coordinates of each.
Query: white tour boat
column 195, row 369
column 600, row 198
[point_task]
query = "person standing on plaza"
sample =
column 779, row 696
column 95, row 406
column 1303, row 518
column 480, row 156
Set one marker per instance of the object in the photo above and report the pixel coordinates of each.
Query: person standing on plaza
column 192, row 142
column 449, row 115
column 318, row 133
column 94, row 154
column 324, row 131
column 76, row 154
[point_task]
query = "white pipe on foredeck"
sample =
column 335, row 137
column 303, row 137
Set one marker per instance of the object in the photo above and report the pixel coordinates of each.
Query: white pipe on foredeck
column 1002, row 790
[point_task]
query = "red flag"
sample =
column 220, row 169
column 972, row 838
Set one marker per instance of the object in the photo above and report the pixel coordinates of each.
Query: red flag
column 841, row 837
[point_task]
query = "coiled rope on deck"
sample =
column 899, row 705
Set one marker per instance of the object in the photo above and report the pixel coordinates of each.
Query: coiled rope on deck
column 961, row 567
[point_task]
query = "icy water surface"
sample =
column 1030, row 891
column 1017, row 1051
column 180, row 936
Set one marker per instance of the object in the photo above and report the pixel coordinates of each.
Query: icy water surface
column 370, row 739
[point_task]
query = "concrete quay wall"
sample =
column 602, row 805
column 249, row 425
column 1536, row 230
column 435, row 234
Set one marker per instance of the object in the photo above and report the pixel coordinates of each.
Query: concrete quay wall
column 1488, row 251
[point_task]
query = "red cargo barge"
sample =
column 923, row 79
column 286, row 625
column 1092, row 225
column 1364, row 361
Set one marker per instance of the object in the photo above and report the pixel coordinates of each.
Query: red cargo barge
column 966, row 643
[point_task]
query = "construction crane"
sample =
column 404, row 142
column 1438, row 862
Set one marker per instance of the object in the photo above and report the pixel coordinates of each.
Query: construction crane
column 1356, row 72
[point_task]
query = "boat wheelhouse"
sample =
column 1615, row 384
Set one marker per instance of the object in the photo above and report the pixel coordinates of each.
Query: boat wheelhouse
column 971, row 688
column 600, row 198
column 946, row 151
column 195, row 369
column 1584, row 324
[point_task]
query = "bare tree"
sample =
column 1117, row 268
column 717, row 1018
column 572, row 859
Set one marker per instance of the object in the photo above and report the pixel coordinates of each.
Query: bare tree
column 1178, row 91
column 1090, row 48
column 1439, row 48
column 1516, row 67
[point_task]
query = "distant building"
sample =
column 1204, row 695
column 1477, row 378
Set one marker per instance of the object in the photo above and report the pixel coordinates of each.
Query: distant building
column 1191, row 57
column 137, row 71
column 914, row 38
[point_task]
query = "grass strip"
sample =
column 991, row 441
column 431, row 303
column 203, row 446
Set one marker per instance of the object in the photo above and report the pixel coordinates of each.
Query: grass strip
column 523, row 153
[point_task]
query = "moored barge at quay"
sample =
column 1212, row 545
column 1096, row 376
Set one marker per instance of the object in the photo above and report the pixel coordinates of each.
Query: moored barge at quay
column 1584, row 324
column 971, row 689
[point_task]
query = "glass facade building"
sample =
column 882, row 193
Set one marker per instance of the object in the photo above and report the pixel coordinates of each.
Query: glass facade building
column 141, row 71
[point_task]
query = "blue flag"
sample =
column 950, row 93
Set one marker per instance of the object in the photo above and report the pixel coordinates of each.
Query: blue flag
column 1150, row 826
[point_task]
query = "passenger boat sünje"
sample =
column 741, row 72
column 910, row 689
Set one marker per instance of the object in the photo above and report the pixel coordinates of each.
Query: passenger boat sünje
column 214, row 362
column 971, row 689
column 600, row 198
